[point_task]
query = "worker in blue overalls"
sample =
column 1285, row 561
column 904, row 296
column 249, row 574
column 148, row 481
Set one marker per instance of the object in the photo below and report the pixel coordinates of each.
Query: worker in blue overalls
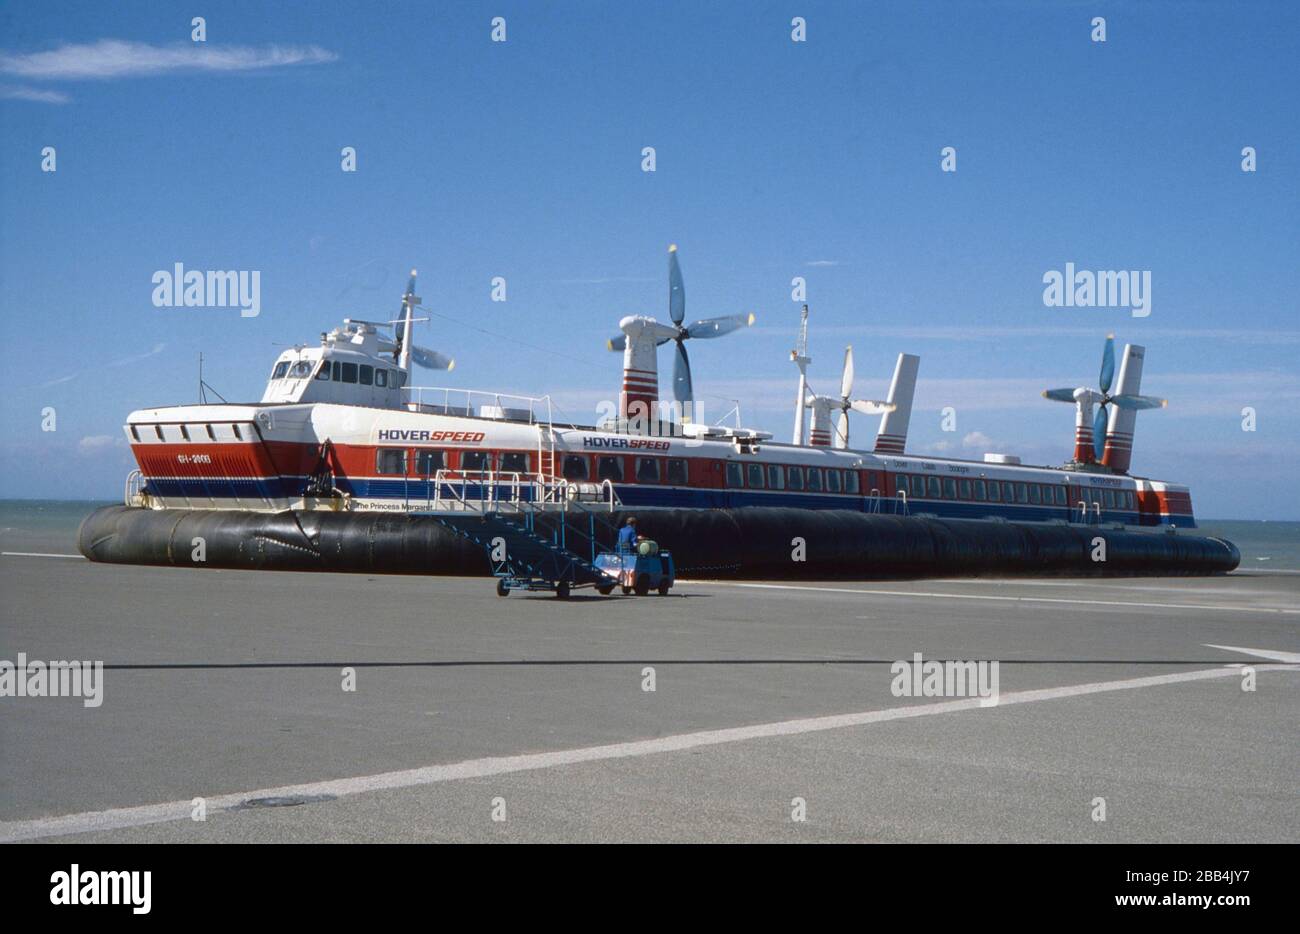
column 627, row 537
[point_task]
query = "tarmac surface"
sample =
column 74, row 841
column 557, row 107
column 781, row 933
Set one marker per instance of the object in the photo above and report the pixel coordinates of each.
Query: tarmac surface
column 476, row 718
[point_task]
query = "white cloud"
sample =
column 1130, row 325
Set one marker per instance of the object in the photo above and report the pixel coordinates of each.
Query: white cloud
column 117, row 58
column 93, row 444
column 16, row 93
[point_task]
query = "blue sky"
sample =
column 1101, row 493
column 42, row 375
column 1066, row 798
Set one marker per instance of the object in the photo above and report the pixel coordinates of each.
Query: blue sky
column 775, row 159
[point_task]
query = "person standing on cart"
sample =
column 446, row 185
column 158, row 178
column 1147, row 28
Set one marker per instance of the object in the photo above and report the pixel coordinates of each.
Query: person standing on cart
column 627, row 537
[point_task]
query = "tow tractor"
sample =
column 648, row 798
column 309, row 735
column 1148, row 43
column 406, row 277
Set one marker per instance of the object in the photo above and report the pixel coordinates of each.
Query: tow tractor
column 638, row 572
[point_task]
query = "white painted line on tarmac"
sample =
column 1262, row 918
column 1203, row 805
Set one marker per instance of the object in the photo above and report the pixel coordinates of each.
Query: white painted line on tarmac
column 1292, row 658
column 978, row 596
column 119, row 818
column 36, row 554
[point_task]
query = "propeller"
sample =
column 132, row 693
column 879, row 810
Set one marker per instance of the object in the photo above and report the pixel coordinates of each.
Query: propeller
column 431, row 359
column 1086, row 398
column 705, row 328
column 844, row 403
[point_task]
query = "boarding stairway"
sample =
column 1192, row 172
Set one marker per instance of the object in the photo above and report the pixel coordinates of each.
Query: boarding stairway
column 535, row 544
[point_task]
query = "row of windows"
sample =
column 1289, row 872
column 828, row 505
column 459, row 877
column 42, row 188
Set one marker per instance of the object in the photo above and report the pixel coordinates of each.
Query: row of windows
column 185, row 432
column 1004, row 491
column 781, row 477
column 428, row 461
column 340, row 372
column 610, row 467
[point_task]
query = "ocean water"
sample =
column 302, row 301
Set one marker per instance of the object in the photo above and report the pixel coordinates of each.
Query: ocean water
column 52, row 524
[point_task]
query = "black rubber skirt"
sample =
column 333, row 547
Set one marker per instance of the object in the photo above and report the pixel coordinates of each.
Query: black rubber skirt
column 772, row 544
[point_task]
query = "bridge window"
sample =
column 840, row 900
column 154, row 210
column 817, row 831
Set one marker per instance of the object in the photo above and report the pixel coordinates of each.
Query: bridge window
column 367, row 375
column 280, row 369
column 324, row 371
column 300, row 370
column 794, row 478
column 677, row 473
column 851, row 482
column 734, row 476
column 775, row 477
column 575, row 467
column 814, row 484
column 832, row 481
column 391, row 461
column 964, row 487
column 428, row 462
column 381, row 377
column 511, row 461
column 949, row 488
column 754, row 476
column 473, row 460
column 981, row 492
column 609, row 467
column 349, row 373
column 233, row 427
column 647, row 470
column 212, row 435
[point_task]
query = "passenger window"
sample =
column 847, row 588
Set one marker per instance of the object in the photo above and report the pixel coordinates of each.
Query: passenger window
column 814, row 479
column 1060, row 496
column 832, row 480
column 794, row 478
column 1034, row 495
column 511, row 461
column 428, row 463
column 755, row 476
column 980, row 491
column 391, row 461
column 851, row 482
column 575, row 467
column 964, row 488
column 280, row 369
column 1008, row 491
column 1022, row 493
column 677, row 473
column 949, row 488
column 918, row 486
column 932, row 484
column 609, row 467
column 647, row 470
column 367, row 375
column 324, row 371
column 381, row 377
column 775, row 477
column 994, row 491
column 1110, row 499
column 734, row 477
column 473, row 460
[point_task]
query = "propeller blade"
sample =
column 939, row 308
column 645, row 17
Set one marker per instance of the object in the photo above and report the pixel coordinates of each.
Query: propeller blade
column 716, row 327
column 1059, row 395
column 1099, row 431
column 846, row 381
column 871, row 407
column 676, row 289
column 682, row 376
column 1138, row 403
column 431, row 359
column 842, row 429
column 1107, row 363
column 617, row 343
